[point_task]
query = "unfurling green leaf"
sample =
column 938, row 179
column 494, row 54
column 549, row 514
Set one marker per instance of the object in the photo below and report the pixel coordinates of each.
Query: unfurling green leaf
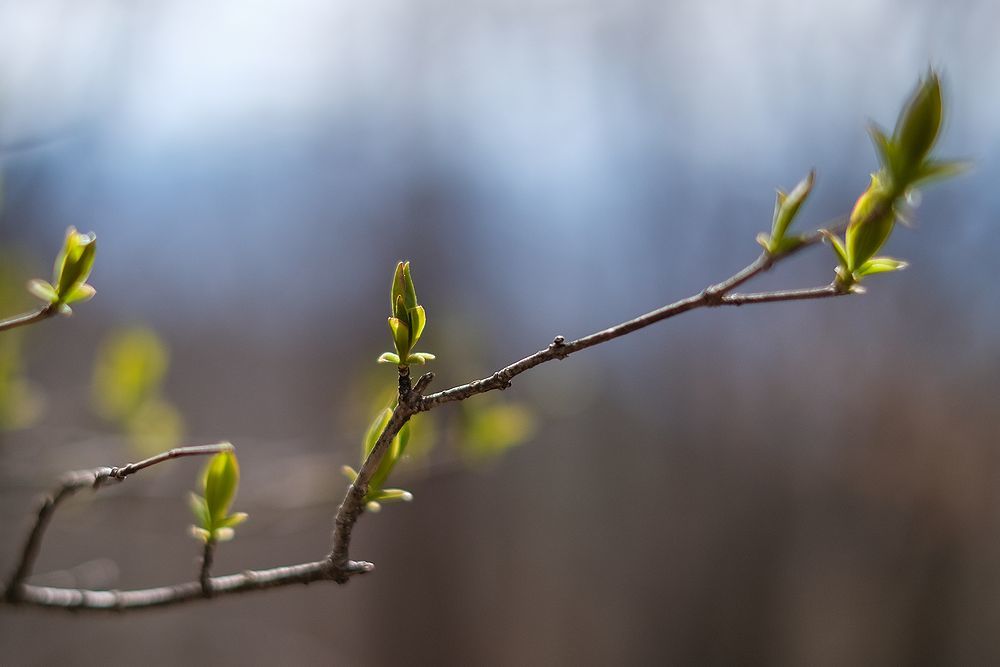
column 400, row 336
column 43, row 290
column 395, row 451
column 69, row 275
column 200, row 510
column 398, row 288
column 219, row 483
column 222, row 476
column 887, row 154
column 407, row 319
column 418, row 318
column 938, row 170
column 393, row 496
column 420, row 358
column 786, row 207
column 919, row 123
column 870, row 224
column 74, row 263
column 880, row 265
column 374, row 431
column 409, row 291
column 838, row 247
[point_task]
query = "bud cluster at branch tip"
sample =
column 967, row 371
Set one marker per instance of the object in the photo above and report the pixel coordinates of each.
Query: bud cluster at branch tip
column 407, row 319
column 69, row 276
column 904, row 165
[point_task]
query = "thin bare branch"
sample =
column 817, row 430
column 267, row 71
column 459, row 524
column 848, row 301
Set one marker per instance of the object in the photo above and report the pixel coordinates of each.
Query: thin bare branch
column 75, row 599
column 27, row 318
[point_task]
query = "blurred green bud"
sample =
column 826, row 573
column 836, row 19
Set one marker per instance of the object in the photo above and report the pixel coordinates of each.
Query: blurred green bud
column 918, row 125
column 219, row 482
column 786, row 207
column 870, row 224
column 69, row 277
column 395, row 452
column 222, row 477
column 904, row 164
column 406, row 320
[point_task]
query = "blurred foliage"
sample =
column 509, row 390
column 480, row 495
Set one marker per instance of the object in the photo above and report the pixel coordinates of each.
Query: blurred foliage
column 491, row 426
column 127, row 390
column 21, row 401
column 376, row 493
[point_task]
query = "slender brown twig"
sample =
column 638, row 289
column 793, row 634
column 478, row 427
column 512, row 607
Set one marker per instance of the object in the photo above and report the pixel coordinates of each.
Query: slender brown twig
column 27, row 318
column 205, row 576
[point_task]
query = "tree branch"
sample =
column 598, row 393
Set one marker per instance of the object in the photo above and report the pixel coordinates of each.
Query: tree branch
column 337, row 566
column 74, row 599
column 28, row 318
column 411, row 401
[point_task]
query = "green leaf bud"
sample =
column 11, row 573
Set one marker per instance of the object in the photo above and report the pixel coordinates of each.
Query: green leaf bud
column 222, row 477
column 786, row 207
column 409, row 291
column 919, row 123
column 870, row 225
column 74, row 262
column 400, row 336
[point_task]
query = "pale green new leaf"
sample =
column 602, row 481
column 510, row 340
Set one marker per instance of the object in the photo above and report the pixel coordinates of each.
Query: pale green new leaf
column 880, row 265
column 43, row 290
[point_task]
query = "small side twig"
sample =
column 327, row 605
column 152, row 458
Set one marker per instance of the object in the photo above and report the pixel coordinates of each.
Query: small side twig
column 70, row 484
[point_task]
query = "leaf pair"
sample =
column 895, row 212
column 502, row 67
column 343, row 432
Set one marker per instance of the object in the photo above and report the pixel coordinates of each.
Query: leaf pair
column 69, row 276
column 786, row 207
column 376, row 494
column 219, row 482
column 406, row 321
